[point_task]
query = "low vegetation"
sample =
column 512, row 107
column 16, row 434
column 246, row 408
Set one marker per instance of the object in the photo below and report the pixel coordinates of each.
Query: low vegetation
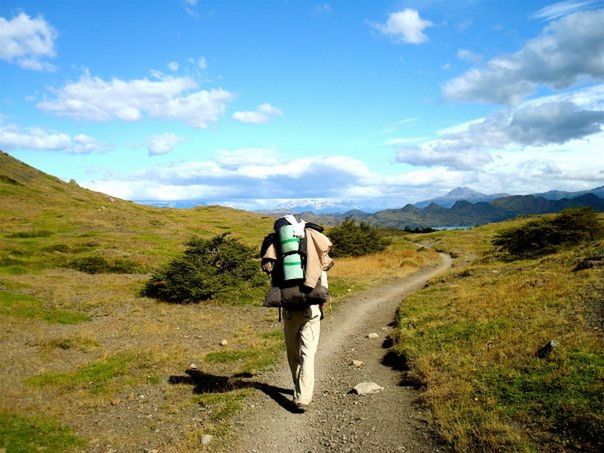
column 66, row 332
column 547, row 235
column 100, row 265
column 21, row 434
column 24, row 306
column 356, row 239
column 470, row 339
column 206, row 268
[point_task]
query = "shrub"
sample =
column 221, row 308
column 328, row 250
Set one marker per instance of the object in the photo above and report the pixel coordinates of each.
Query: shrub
column 546, row 235
column 356, row 239
column 99, row 265
column 29, row 234
column 207, row 268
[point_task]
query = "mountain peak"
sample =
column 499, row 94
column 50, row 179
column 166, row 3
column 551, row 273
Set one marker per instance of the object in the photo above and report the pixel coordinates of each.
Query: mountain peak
column 465, row 192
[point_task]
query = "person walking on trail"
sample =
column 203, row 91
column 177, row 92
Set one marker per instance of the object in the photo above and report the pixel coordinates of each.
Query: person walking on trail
column 296, row 255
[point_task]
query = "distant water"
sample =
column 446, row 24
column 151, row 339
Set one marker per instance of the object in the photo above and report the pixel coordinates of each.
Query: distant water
column 456, row 227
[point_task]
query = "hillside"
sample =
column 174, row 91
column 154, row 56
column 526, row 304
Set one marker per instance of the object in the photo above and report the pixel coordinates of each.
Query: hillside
column 91, row 365
column 470, row 342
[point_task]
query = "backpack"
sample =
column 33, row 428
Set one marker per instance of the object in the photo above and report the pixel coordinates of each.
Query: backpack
column 286, row 263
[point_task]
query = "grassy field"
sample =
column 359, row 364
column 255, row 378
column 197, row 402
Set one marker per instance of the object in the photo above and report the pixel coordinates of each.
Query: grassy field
column 90, row 365
column 469, row 341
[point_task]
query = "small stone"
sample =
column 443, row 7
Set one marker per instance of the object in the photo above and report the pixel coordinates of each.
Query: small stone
column 115, row 402
column 223, row 343
column 357, row 363
column 546, row 349
column 192, row 366
column 373, row 335
column 366, row 388
column 206, row 439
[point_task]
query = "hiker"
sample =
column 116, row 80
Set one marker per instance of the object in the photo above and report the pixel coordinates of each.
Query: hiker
column 296, row 256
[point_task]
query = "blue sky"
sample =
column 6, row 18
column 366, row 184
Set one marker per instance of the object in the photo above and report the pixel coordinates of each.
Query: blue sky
column 259, row 104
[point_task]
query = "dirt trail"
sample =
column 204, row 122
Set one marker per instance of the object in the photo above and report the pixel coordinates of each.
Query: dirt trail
column 338, row 421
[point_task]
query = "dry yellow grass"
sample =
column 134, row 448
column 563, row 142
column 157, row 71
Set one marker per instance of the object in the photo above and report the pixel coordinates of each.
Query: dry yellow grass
column 60, row 327
column 471, row 339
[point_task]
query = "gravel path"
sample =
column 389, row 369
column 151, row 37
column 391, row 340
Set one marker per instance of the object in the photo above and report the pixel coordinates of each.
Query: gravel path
column 382, row 422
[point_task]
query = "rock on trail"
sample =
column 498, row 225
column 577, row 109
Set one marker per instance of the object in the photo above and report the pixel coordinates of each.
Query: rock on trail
column 386, row 421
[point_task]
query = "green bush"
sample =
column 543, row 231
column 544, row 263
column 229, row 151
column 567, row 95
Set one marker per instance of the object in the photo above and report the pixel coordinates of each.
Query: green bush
column 207, row 268
column 99, row 265
column 546, row 235
column 356, row 239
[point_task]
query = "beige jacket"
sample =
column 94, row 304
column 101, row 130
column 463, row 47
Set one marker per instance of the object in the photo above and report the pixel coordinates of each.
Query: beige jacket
column 317, row 257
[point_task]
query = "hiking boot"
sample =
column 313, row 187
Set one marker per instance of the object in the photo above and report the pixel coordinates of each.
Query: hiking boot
column 300, row 408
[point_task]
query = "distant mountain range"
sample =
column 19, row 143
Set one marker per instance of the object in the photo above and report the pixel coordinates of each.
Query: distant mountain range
column 460, row 193
column 460, row 207
column 466, row 213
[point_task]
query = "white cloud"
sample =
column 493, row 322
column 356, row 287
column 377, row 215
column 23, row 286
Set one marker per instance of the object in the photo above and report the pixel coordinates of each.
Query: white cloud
column 261, row 115
column 405, row 26
column 174, row 98
column 13, row 137
column 468, row 55
column 536, row 123
column 567, row 51
column 560, row 9
column 173, row 66
column 263, row 179
column 436, row 154
column 202, row 63
column 162, row 143
column 27, row 41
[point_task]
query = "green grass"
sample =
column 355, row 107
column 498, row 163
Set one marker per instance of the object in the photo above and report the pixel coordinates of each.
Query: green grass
column 100, row 265
column 77, row 342
column 470, row 338
column 27, row 234
column 222, row 407
column 94, row 377
column 249, row 359
column 19, row 434
column 24, row 306
column 169, row 336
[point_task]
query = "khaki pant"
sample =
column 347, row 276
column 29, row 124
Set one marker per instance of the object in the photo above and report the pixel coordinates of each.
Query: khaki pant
column 302, row 329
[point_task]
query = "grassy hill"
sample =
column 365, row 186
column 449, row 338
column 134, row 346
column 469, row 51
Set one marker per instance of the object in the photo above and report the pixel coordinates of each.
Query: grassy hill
column 470, row 340
column 89, row 364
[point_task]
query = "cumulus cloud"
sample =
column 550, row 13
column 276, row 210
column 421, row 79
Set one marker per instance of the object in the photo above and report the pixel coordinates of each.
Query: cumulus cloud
column 262, row 114
column 263, row 178
column 567, row 51
column 242, row 174
column 560, row 9
column 13, row 137
column 469, row 146
column 405, row 26
column 173, row 66
column 173, row 98
column 553, row 123
column 27, row 42
column 437, row 154
column 162, row 143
